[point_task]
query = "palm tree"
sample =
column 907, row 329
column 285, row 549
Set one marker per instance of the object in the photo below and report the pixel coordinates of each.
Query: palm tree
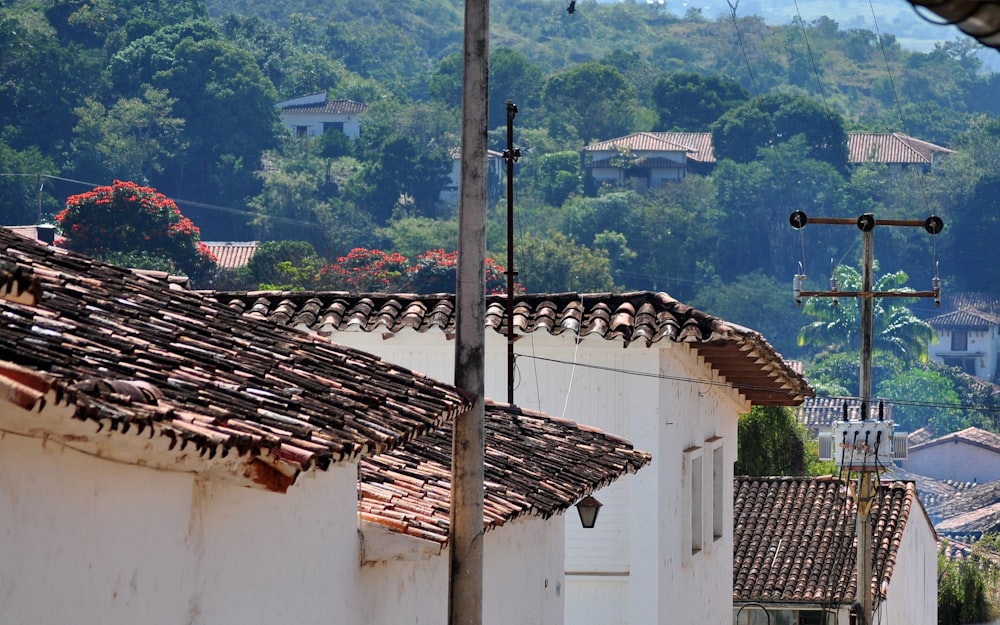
column 895, row 328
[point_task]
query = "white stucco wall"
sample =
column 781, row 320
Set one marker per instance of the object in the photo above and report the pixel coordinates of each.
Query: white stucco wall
column 912, row 593
column 632, row 567
column 522, row 580
column 314, row 122
column 982, row 346
column 955, row 460
column 87, row 540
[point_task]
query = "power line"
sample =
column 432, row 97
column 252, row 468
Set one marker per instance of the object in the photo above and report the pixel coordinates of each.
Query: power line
column 660, row 376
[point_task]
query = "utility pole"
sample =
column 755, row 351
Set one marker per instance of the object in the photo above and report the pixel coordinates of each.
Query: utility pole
column 865, row 444
column 465, row 534
column 510, row 155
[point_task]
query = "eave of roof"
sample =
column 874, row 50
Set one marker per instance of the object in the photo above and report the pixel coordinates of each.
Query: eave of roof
column 129, row 355
column 534, row 465
column 743, row 357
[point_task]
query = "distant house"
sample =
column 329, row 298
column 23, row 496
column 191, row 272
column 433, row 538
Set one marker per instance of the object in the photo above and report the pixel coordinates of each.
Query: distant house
column 968, row 333
column 642, row 365
column 168, row 460
column 794, row 553
column 312, row 115
column 894, row 149
column 970, row 455
column 496, row 172
column 647, row 159
column 651, row 159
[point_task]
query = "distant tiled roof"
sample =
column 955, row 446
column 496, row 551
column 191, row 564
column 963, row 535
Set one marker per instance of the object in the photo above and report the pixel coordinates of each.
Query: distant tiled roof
column 336, row 107
column 934, row 493
column 964, row 319
column 967, row 310
column 534, row 464
column 958, row 550
column 231, row 255
column 99, row 357
column 697, row 145
column 891, row 148
column 972, row 512
column 819, row 413
column 919, row 436
column 971, row 436
column 743, row 356
column 794, row 538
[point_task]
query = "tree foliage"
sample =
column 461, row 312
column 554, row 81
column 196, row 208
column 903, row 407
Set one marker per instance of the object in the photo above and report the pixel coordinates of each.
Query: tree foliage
column 771, row 442
column 125, row 218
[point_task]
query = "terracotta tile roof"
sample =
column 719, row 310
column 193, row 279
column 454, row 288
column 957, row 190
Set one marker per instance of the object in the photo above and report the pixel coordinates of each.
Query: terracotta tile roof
column 109, row 358
column 971, row 436
column 972, row 512
column 697, row 145
column 535, row 464
column 967, row 310
column 743, row 356
column 894, row 148
column 934, row 493
column 794, row 538
column 230, row 254
column 916, row 437
column 336, row 107
column 819, row 413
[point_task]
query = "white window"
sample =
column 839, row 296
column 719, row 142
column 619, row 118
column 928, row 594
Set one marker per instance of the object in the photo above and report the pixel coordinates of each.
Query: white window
column 719, row 489
column 693, row 507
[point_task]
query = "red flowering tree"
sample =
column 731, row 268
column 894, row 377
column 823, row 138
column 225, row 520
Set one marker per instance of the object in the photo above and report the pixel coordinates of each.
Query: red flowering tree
column 436, row 272
column 365, row 271
column 125, row 220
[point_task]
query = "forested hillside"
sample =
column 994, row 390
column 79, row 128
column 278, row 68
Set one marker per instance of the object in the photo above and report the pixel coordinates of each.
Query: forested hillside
column 180, row 96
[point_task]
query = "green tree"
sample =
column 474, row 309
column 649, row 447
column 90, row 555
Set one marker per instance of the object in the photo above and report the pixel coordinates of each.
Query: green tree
column 690, row 102
column 125, row 218
column 283, row 265
column 226, row 101
column 921, row 398
column 967, row 590
column 554, row 263
column 407, row 177
column 776, row 118
column 895, row 329
column 770, row 442
column 594, row 99
column 133, row 139
column 19, row 186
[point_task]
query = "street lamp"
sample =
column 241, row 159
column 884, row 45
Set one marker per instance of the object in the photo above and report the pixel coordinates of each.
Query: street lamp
column 588, row 507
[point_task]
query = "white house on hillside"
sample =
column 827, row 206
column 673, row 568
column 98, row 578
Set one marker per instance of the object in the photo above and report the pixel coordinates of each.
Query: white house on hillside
column 795, row 553
column 641, row 365
column 312, row 115
column 968, row 333
column 650, row 158
column 166, row 460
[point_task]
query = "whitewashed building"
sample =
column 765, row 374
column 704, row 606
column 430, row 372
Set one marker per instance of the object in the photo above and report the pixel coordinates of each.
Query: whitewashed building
column 164, row 460
column 312, row 115
column 640, row 365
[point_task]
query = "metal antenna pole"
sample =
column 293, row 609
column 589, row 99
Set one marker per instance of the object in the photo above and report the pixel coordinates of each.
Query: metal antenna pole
column 465, row 545
column 510, row 155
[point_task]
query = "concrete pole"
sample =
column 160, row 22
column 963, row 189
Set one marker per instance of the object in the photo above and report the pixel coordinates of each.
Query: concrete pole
column 465, row 572
column 866, row 486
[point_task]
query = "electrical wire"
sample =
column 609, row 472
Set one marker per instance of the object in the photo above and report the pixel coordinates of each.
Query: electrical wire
column 660, row 376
